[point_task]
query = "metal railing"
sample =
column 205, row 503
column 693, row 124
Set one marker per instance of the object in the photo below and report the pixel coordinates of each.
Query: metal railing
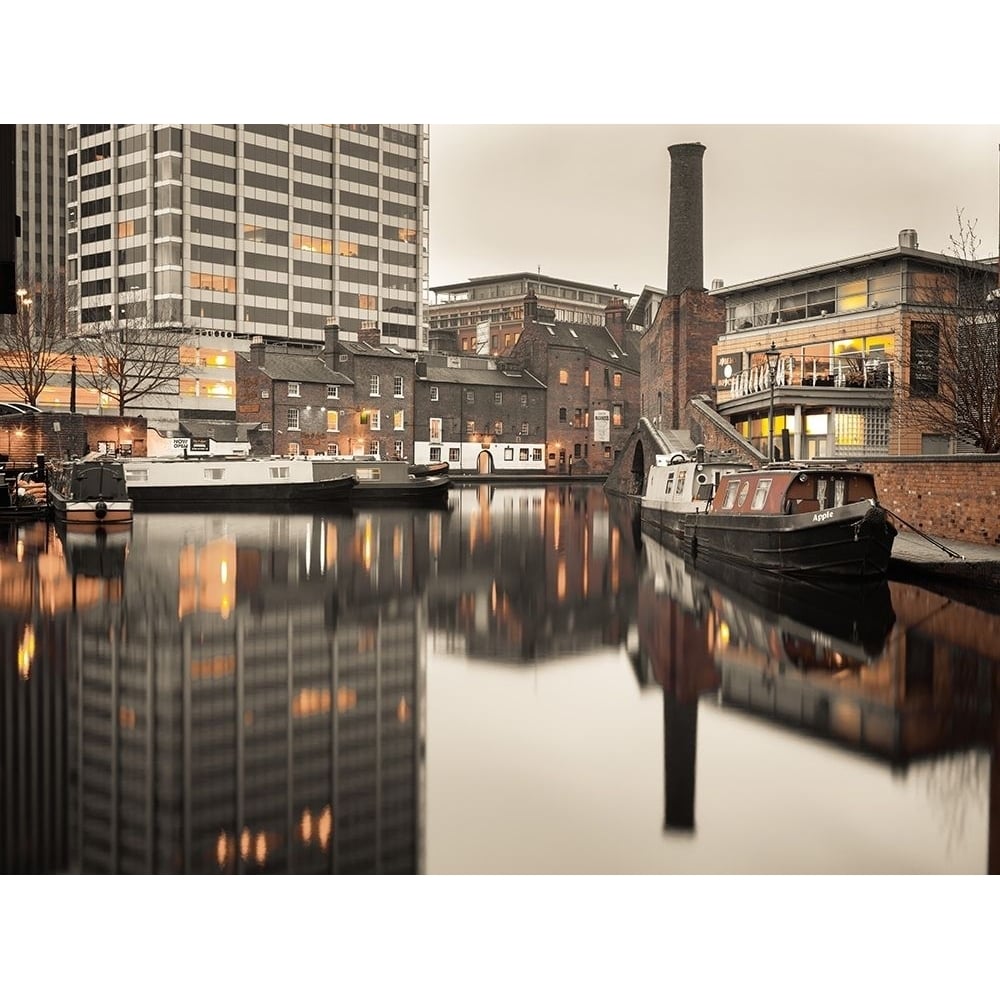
column 852, row 373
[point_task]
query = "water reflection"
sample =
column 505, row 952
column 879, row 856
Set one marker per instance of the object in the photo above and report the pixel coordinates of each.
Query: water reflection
column 248, row 693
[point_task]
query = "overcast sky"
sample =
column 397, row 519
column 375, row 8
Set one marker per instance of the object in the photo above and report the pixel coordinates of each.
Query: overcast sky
column 590, row 202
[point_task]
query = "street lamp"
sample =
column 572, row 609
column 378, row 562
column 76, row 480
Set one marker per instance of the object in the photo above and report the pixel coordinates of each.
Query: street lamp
column 772, row 355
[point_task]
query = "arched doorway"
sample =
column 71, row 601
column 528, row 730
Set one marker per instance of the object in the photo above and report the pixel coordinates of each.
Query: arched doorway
column 484, row 463
column 638, row 468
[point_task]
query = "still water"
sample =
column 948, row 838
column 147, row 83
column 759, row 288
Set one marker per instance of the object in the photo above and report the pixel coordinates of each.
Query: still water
column 518, row 684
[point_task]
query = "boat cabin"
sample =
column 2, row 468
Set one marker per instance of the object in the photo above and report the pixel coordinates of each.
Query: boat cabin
column 791, row 490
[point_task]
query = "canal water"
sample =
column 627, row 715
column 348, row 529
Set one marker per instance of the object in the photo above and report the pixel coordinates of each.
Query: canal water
column 517, row 684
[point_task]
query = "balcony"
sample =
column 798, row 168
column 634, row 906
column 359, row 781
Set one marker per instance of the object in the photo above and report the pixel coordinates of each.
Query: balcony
column 850, row 373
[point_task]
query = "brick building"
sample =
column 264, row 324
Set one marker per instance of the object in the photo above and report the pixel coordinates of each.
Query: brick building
column 591, row 374
column 378, row 418
column 479, row 414
column 293, row 397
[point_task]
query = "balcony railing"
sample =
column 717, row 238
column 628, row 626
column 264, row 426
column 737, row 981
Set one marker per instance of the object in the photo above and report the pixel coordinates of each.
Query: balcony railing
column 852, row 373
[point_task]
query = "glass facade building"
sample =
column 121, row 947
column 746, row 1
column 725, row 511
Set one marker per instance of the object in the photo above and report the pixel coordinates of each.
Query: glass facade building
column 250, row 230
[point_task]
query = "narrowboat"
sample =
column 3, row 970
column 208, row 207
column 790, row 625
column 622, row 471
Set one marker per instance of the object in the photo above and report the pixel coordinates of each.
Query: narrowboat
column 679, row 484
column 90, row 491
column 24, row 495
column 796, row 519
column 230, row 483
column 382, row 481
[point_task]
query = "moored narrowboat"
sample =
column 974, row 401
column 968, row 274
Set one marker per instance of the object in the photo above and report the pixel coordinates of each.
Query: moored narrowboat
column 90, row 491
column 815, row 520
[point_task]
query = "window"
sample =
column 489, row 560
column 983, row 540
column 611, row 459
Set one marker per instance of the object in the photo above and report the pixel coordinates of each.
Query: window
column 333, row 449
column 279, row 471
column 563, row 376
column 524, row 427
column 374, row 386
column 470, row 396
column 616, row 415
column 397, row 386
column 436, row 453
column 524, row 399
column 333, row 421
column 375, row 420
column 729, row 500
column 265, row 393
column 373, row 449
column 214, row 473
column 470, row 428
column 293, row 389
column 498, row 427
column 616, row 380
column 681, row 481
column 522, row 455
column 293, row 418
column 266, row 425
column 498, row 397
column 333, row 392
column 536, row 454
column 669, row 486
column 398, row 418
column 397, row 449
column 924, row 359
column 562, row 414
column 508, row 454
column 293, row 448
column 586, row 377
column 452, row 454
column 434, row 393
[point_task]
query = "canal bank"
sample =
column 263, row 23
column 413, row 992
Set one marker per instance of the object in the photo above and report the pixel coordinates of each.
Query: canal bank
column 965, row 570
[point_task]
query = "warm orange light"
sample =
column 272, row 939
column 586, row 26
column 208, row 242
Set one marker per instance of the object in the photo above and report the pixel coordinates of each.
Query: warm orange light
column 403, row 710
column 126, row 717
column 325, row 827
column 260, row 849
column 245, row 844
column 311, row 701
column 306, row 826
column 26, row 653
column 347, row 698
column 222, row 849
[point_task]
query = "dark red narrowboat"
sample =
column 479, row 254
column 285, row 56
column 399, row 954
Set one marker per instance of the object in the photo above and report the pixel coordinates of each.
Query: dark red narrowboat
column 797, row 520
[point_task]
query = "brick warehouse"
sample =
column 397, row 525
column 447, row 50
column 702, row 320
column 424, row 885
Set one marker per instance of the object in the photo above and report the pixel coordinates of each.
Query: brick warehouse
column 591, row 374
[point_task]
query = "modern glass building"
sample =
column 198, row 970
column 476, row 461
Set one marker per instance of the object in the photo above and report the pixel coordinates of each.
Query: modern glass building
column 41, row 201
column 250, row 230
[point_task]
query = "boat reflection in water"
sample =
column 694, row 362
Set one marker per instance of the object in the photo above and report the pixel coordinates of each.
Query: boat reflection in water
column 855, row 667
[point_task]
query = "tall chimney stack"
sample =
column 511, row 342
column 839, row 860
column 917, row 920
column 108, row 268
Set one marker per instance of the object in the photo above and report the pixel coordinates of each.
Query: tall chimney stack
column 685, row 251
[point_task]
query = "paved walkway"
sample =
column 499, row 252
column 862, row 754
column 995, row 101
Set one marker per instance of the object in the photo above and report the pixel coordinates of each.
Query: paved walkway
column 914, row 557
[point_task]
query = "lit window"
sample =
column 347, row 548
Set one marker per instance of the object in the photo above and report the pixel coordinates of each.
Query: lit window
column 347, row 248
column 397, row 420
column 616, row 415
column 313, row 244
column 367, row 302
column 617, row 380
column 563, row 376
column 333, row 420
column 586, row 376
column 293, row 389
column 470, row 427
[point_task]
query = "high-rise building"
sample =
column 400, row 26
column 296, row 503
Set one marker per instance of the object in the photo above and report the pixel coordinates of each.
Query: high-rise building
column 41, row 201
column 250, row 230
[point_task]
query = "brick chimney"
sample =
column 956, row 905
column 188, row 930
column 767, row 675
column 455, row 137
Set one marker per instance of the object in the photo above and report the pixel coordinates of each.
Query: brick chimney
column 331, row 342
column 531, row 307
column 257, row 352
column 614, row 318
column 685, row 250
column 369, row 335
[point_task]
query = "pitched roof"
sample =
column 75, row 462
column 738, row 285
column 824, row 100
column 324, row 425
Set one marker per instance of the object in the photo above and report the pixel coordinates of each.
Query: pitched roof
column 494, row 377
column 281, row 367
column 377, row 350
column 597, row 341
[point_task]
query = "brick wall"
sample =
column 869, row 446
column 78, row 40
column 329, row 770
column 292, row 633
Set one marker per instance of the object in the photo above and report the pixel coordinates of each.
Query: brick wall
column 68, row 435
column 950, row 497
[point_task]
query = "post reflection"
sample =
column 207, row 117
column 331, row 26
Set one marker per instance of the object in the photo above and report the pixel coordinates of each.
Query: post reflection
column 890, row 671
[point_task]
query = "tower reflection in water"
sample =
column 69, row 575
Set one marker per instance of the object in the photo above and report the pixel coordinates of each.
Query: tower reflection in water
column 889, row 670
column 253, row 704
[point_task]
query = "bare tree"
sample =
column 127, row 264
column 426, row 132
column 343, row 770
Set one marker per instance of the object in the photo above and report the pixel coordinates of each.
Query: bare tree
column 33, row 340
column 129, row 357
column 955, row 349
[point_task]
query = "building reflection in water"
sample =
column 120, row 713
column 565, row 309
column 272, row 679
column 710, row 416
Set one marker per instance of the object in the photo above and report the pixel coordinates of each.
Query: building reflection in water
column 533, row 573
column 889, row 670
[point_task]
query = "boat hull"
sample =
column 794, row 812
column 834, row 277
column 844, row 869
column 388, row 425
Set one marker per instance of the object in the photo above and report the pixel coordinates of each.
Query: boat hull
column 853, row 541
column 239, row 495
column 421, row 490
column 90, row 512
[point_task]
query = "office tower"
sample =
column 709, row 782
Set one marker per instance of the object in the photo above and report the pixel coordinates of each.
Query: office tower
column 250, row 230
column 41, row 201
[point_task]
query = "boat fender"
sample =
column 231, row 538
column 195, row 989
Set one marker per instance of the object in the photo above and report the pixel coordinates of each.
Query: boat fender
column 101, row 509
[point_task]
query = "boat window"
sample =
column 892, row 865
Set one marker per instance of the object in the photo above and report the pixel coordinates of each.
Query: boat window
column 730, row 498
column 744, row 490
column 669, row 488
column 279, row 471
column 821, row 493
column 214, row 473
column 839, row 487
column 760, row 495
column 137, row 475
column 681, row 479
column 369, row 474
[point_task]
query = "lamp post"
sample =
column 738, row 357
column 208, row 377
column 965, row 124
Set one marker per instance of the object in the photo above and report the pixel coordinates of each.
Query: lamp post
column 72, row 385
column 772, row 355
